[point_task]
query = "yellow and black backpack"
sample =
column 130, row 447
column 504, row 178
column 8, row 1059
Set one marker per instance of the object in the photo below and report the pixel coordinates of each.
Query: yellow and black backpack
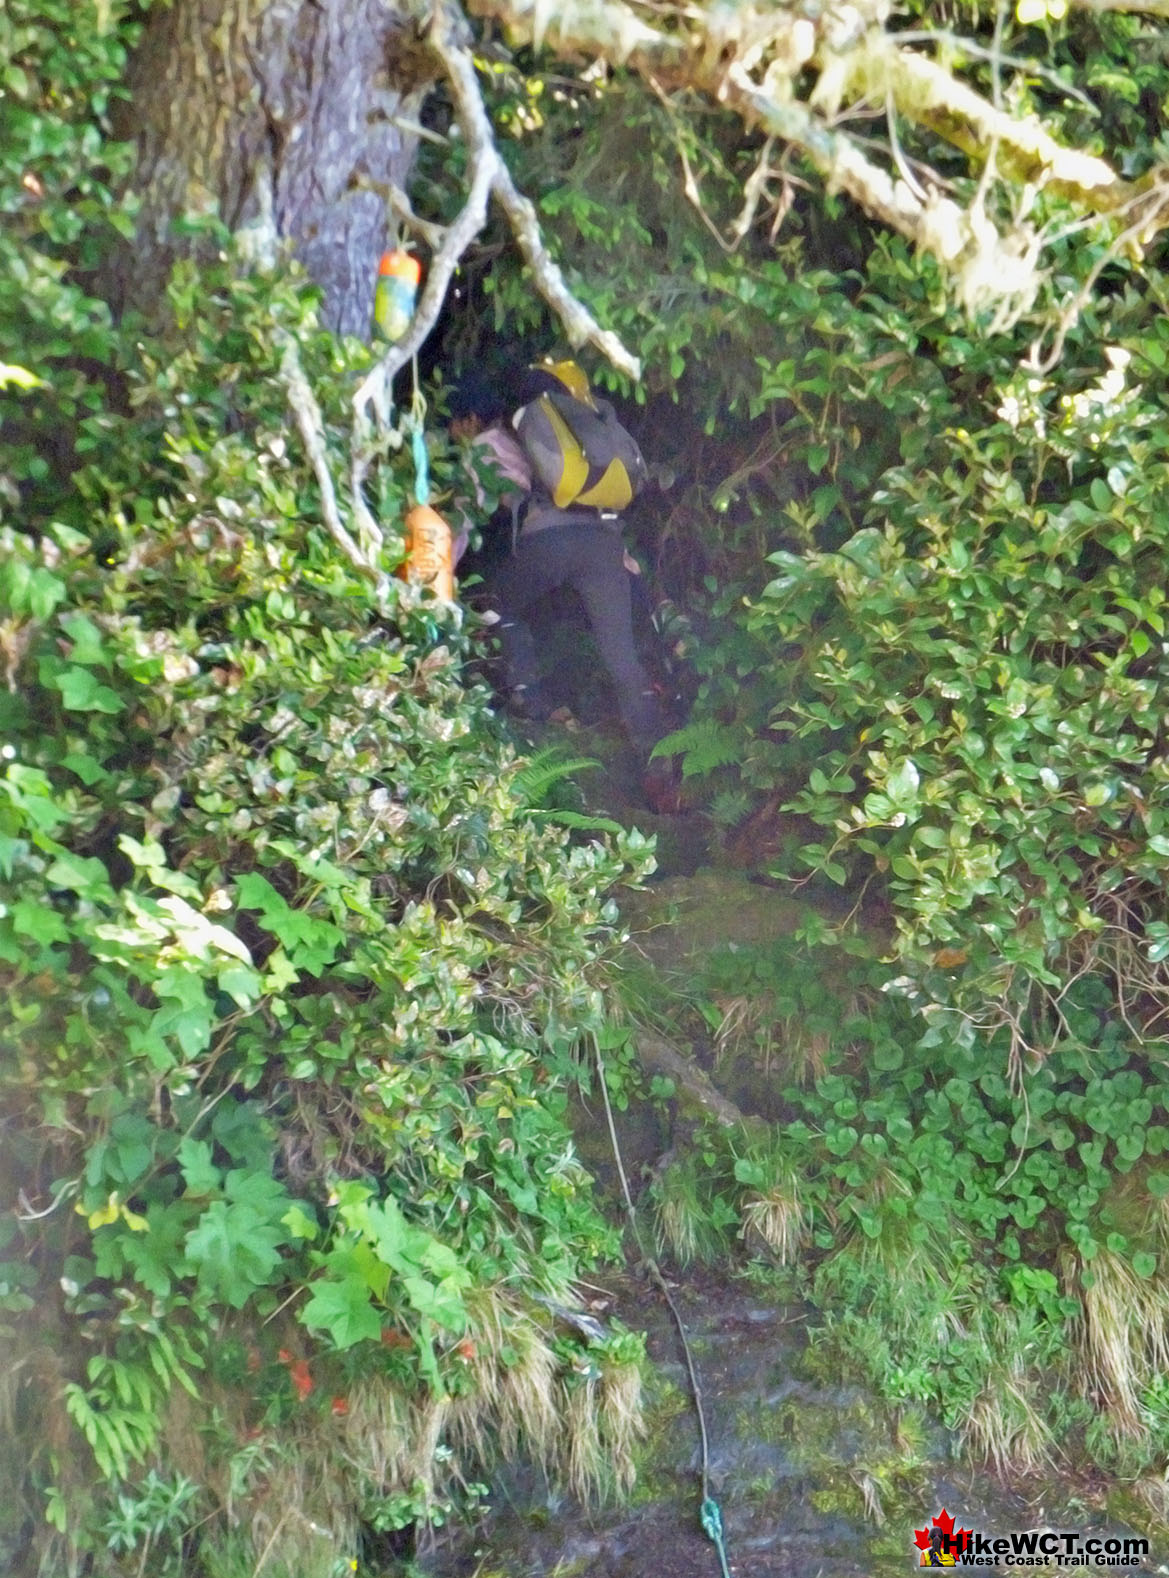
column 580, row 454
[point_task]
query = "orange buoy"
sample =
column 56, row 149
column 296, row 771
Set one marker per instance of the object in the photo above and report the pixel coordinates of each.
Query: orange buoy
column 429, row 557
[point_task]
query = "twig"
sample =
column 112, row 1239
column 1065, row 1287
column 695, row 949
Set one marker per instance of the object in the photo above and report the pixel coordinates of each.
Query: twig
column 432, row 234
column 689, row 183
column 906, row 173
column 754, row 189
column 272, row 1538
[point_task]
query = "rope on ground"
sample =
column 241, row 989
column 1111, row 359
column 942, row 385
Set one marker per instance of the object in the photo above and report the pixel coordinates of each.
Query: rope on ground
column 709, row 1515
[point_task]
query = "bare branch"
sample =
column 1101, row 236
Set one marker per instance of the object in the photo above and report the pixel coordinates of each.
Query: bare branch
column 579, row 324
column 750, row 59
column 400, row 205
column 483, row 159
column 489, row 176
column 754, row 189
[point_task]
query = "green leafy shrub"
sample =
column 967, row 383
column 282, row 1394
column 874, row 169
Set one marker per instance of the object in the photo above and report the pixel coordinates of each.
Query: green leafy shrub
column 60, row 66
column 293, row 975
column 981, row 669
column 989, row 1248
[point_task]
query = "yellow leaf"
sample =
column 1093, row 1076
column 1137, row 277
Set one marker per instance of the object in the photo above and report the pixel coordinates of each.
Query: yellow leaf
column 104, row 1215
column 20, row 376
column 136, row 1223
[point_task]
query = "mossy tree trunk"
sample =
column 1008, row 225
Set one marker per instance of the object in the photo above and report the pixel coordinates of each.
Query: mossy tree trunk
column 299, row 112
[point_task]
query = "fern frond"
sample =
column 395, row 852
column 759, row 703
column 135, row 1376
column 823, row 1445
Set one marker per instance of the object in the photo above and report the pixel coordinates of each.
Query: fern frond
column 703, row 746
column 730, row 806
column 542, row 771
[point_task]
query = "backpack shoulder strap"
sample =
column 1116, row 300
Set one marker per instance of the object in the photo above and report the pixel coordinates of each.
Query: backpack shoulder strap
column 552, row 446
column 616, row 470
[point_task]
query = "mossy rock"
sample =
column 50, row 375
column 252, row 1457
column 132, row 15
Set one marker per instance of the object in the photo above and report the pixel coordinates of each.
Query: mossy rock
column 676, row 922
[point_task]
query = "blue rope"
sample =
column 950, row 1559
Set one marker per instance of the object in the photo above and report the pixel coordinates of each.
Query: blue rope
column 416, row 421
column 421, row 463
column 712, row 1527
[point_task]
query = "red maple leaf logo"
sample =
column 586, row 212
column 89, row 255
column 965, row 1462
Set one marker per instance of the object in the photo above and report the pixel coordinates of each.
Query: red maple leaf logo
column 951, row 1542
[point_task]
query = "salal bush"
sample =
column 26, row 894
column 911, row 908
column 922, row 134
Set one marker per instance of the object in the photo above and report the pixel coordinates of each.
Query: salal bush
column 293, row 979
column 985, row 659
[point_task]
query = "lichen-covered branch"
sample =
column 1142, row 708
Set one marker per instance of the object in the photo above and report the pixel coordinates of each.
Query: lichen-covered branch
column 1136, row 7
column 751, row 58
column 931, row 96
column 489, row 177
column 311, row 427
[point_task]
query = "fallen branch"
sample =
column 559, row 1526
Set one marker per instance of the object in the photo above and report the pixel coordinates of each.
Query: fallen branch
column 659, row 1057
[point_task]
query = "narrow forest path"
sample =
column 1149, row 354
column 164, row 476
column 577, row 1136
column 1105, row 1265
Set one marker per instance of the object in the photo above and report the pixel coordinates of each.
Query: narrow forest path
column 815, row 1478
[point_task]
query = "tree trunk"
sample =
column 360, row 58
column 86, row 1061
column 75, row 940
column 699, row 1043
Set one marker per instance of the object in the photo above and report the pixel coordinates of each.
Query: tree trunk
column 297, row 109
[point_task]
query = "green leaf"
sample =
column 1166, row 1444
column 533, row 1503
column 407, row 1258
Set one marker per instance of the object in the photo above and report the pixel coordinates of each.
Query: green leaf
column 82, row 691
column 344, row 1310
column 234, row 1250
column 903, row 782
column 201, row 1175
column 841, row 1140
column 39, row 922
column 299, row 1223
column 309, row 941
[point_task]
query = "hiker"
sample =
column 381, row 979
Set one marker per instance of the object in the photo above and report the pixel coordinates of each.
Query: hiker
column 565, row 469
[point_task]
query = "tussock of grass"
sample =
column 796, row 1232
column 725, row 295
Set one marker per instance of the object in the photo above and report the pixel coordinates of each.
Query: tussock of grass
column 303, row 1519
column 584, row 1464
column 602, row 1423
column 580, row 1426
column 514, row 1370
column 622, row 1418
column 778, row 1216
column 914, row 1305
column 1123, row 1334
column 749, row 1028
column 1004, row 1427
column 290, row 1502
column 690, row 1221
column 871, row 1495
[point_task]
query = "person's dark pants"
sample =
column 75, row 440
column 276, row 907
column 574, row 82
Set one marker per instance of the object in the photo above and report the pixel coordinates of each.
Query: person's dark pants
column 590, row 559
